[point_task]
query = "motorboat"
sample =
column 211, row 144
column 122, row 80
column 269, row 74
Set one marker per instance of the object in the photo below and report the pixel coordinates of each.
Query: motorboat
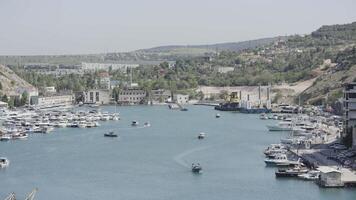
column 201, row 136
column 281, row 160
column 134, row 123
column 5, row 137
column 263, row 116
column 110, row 134
column 281, row 126
column 82, row 124
column 20, row 136
column 217, row 115
column 310, row 175
column 273, row 150
column 4, row 162
column 147, row 124
column 291, row 172
column 196, row 168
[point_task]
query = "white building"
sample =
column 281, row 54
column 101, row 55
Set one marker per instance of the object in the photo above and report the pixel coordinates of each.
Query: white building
column 97, row 96
column 131, row 96
column 50, row 89
column 329, row 177
column 224, row 70
column 181, row 98
column 92, row 67
column 55, row 101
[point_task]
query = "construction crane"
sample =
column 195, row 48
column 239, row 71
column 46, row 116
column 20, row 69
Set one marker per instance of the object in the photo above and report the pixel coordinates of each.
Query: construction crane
column 30, row 196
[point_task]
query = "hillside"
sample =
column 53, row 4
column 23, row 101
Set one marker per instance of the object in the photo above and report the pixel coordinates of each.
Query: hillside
column 143, row 56
column 230, row 46
column 12, row 84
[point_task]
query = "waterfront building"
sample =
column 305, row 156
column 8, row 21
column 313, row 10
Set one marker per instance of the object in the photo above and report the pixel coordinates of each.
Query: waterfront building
column 329, row 177
column 181, row 98
column 131, row 96
column 349, row 134
column 53, row 100
column 161, row 96
column 98, row 96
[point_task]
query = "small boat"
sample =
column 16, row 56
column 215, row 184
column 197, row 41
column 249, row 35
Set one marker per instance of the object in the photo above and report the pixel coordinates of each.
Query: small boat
column 134, row 123
column 281, row 160
column 281, row 126
column 20, row 136
column 6, row 137
column 311, row 175
column 291, row 172
column 201, row 136
column 196, row 168
column 184, row 109
column 147, row 124
column 4, row 162
column 217, row 115
column 110, row 134
column 263, row 116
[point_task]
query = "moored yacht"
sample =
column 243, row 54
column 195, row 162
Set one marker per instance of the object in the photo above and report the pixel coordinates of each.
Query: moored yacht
column 263, row 116
column 5, row 137
column 20, row 136
column 281, row 126
column 291, row 172
column 281, row 160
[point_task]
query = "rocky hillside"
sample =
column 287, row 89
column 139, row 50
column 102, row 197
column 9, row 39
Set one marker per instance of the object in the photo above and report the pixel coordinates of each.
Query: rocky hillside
column 11, row 84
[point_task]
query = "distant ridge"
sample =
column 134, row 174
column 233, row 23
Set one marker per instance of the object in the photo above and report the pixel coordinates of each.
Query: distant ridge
column 228, row 46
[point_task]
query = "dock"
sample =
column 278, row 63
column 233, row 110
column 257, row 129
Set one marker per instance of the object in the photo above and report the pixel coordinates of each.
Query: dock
column 315, row 158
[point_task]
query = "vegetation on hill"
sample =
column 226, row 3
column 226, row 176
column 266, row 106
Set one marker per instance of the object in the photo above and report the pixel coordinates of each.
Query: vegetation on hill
column 327, row 54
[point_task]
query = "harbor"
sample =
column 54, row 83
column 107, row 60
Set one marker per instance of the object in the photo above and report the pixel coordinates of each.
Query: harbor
column 84, row 163
column 314, row 138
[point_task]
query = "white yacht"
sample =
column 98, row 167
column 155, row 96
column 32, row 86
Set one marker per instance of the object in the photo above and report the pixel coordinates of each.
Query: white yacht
column 5, row 137
column 311, row 175
column 263, row 116
column 4, row 162
column 20, row 136
column 281, row 126
column 281, row 160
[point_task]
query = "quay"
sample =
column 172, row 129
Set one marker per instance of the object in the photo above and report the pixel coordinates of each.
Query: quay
column 319, row 159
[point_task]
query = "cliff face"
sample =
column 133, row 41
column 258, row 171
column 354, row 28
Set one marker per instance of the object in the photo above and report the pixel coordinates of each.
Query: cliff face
column 13, row 84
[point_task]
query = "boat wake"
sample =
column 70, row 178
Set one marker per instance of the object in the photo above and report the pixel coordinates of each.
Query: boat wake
column 180, row 157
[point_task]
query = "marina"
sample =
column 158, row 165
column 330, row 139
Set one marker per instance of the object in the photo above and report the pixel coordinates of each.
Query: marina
column 135, row 167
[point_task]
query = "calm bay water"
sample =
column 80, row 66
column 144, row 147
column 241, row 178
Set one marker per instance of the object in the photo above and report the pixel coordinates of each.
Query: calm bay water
column 154, row 162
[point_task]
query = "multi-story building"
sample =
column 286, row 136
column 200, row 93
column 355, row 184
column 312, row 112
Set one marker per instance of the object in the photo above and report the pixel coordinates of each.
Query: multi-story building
column 131, row 96
column 97, row 96
column 350, row 114
column 181, row 98
column 104, row 81
column 161, row 96
column 92, row 67
column 53, row 100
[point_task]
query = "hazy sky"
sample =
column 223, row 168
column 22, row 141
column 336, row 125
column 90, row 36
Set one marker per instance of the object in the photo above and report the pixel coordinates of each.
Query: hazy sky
column 99, row 26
